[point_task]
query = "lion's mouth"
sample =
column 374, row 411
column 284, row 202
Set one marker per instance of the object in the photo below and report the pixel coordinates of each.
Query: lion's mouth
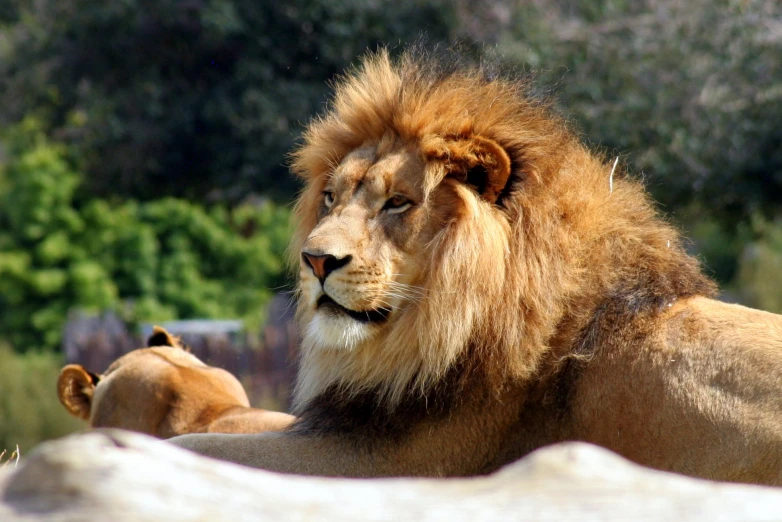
column 379, row 315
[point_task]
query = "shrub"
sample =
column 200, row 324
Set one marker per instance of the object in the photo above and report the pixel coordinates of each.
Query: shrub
column 156, row 260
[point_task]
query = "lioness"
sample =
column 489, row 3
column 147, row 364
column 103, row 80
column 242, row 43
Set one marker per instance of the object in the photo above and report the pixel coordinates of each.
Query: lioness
column 475, row 283
column 163, row 391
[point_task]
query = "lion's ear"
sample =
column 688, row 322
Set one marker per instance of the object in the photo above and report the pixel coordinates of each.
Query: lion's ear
column 75, row 387
column 479, row 162
column 161, row 337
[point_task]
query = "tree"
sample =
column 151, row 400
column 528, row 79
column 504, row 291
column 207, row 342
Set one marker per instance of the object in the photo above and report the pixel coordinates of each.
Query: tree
column 199, row 99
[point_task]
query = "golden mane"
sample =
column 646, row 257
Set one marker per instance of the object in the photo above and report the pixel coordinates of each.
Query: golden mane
column 511, row 281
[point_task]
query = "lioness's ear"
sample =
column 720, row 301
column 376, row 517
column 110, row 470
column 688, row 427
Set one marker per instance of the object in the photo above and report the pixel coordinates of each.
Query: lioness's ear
column 160, row 337
column 75, row 387
column 477, row 161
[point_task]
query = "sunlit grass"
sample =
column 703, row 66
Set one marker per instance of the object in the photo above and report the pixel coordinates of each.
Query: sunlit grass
column 13, row 457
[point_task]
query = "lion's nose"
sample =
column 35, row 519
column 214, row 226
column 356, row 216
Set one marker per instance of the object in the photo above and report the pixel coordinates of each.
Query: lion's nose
column 323, row 265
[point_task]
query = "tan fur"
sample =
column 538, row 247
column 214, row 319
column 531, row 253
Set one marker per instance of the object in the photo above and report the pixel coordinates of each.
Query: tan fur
column 163, row 391
column 519, row 299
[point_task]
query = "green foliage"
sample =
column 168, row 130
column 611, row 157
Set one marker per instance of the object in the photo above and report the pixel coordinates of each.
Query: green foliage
column 719, row 246
column 760, row 268
column 30, row 411
column 191, row 99
column 157, row 260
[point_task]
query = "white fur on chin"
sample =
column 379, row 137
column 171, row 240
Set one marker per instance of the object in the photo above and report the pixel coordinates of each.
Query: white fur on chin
column 327, row 330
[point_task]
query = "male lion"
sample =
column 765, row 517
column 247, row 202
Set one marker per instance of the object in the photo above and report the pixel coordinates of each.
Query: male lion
column 473, row 287
column 163, row 391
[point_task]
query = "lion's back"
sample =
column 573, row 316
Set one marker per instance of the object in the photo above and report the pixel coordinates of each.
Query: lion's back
column 699, row 384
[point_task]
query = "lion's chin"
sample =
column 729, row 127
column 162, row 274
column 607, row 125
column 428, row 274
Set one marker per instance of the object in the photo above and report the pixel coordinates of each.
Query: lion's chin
column 328, row 330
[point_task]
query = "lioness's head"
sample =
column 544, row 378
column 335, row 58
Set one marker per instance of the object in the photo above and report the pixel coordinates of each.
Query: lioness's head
column 162, row 390
column 405, row 226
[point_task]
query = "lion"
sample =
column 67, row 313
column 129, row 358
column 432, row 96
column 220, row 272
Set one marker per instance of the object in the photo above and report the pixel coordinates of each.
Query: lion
column 163, row 391
column 475, row 283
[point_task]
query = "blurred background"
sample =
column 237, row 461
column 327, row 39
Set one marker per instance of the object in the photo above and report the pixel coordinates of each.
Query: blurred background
column 143, row 157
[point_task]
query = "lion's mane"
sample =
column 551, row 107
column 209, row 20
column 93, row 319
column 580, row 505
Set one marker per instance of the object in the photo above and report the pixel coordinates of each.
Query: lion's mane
column 568, row 247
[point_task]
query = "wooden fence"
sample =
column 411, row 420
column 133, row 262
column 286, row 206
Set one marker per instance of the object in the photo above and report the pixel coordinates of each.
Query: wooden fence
column 265, row 364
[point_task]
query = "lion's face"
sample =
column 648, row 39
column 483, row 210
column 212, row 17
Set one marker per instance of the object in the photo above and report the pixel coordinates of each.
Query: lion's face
column 385, row 216
column 361, row 263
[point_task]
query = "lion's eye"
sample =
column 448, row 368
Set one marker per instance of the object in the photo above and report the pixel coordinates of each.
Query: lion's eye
column 397, row 204
column 328, row 198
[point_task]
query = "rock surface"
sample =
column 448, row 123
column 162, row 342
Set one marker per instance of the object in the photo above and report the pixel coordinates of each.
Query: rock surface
column 120, row 476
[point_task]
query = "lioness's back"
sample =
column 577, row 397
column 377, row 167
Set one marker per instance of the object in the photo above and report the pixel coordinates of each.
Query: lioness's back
column 163, row 390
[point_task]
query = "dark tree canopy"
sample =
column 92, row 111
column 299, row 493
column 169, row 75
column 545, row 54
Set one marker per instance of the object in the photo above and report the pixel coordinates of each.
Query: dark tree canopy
column 201, row 99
